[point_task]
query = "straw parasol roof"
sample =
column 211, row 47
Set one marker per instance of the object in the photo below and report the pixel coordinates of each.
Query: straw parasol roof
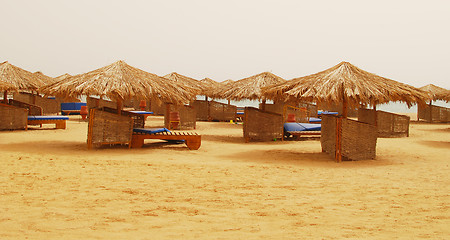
column 347, row 84
column 249, row 88
column 435, row 92
column 227, row 82
column 14, row 78
column 210, row 86
column 45, row 80
column 121, row 81
column 186, row 81
column 61, row 77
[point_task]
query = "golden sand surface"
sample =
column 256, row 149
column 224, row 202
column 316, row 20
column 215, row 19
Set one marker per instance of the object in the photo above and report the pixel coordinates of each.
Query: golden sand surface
column 53, row 187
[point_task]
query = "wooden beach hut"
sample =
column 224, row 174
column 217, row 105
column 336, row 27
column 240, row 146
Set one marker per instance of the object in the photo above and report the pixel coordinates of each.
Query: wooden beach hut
column 118, row 81
column 351, row 86
column 430, row 112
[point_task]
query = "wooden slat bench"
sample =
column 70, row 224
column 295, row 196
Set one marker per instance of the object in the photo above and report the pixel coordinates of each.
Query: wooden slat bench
column 192, row 140
column 59, row 121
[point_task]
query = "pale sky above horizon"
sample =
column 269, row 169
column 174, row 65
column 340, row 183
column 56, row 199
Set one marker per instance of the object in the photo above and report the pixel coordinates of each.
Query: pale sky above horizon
column 407, row 41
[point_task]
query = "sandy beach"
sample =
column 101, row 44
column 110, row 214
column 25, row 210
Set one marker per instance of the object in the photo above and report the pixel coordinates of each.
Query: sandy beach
column 53, row 187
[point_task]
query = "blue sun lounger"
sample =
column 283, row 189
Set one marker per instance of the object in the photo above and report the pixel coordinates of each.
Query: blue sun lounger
column 299, row 129
column 59, row 121
column 315, row 120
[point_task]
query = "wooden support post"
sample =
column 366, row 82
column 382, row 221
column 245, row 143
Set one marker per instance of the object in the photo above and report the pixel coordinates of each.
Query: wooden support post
column 344, row 107
column 263, row 105
column 119, row 105
column 375, row 112
column 431, row 112
column 5, row 97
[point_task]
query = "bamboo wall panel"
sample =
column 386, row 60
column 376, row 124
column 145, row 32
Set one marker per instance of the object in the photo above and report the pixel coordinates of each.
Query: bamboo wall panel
column 438, row 114
column 262, row 125
column 353, row 139
column 388, row 124
column 109, row 128
column 12, row 118
column 188, row 117
column 33, row 110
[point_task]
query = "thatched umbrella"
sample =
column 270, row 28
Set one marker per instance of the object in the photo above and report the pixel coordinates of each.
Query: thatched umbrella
column 435, row 92
column 250, row 87
column 347, row 84
column 14, row 78
column 209, row 86
column 120, row 81
column 64, row 76
column 227, row 82
column 186, row 81
column 45, row 80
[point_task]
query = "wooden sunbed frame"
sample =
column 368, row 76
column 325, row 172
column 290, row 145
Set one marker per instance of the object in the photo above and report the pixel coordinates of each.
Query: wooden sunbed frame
column 68, row 112
column 60, row 123
column 298, row 134
column 192, row 140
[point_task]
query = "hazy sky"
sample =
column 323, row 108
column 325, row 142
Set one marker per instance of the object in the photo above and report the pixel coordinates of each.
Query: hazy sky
column 408, row 41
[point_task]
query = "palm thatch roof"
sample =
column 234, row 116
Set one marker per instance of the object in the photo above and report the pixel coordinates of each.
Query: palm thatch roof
column 121, row 81
column 61, row 77
column 346, row 83
column 45, row 80
column 186, row 81
column 435, row 92
column 210, row 86
column 250, row 87
column 14, row 78
column 227, row 82
column 4, row 86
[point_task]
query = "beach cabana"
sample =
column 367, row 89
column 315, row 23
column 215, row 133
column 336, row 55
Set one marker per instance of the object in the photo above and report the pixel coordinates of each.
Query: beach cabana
column 118, row 81
column 351, row 86
column 430, row 112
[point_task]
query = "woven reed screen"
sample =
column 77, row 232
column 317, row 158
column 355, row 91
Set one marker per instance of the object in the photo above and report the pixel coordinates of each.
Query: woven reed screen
column 301, row 115
column 12, row 117
column 438, row 114
column 138, row 119
column 135, row 102
column 221, row 111
column 311, row 108
column 157, row 107
column 328, row 134
column 352, row 112
column 48, row 105
column 388, row 124
column 202, row 109
column 357, row 140
column 33, row 110
column 108, row 128
column 275, row 107
column 188, row 117
column 261, row 125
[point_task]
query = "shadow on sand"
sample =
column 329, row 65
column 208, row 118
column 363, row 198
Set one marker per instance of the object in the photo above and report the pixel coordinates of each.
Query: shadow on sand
column 436, row 144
